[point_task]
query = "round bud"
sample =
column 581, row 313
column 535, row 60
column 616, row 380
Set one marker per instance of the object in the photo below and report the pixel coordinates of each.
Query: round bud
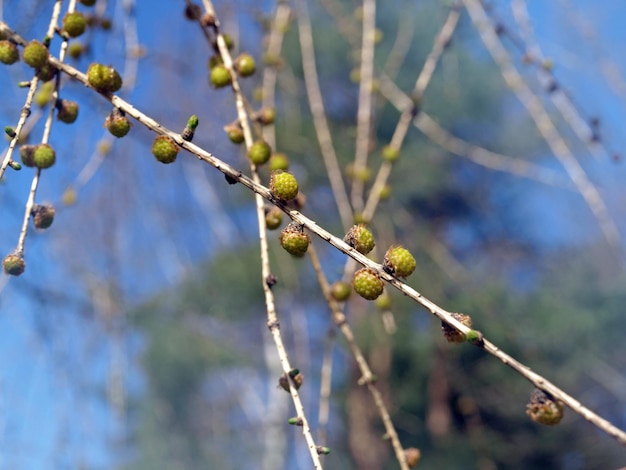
column 164, row 149
column 378, row 36
column 544, row 409
column 44, row 156
column 294, row 240
column 75, row 50
column 383, row 302
column 385, row 192
column 412, row 456
column 340, row 291
column 399, row 262
column 74, row 24
column 273, row 218
column 363, row 174
column 283, row 186
column 368, row 284
column 265, row 116
column 8, row 52
column 245, row 65
column 44, row 94
column 118, row 126
column 453, row 335
column 103, row 78
column 105, row 24
column 98, row 76
column 278, row 161
column 390, row 153
column 43, row 215
column 475, row 337
column 215, row 60
column 220, row 76
column 35, row 54
column 296, row 380
column 360, row 238
column 115, row 80
column 69, row 197
column 235, row 133
column 193, row 12
column 260, row 152
column 27, row 154
column 14, row 264
column 230, row 42
column 46, row 72
column 67, row 111
column 117, row 123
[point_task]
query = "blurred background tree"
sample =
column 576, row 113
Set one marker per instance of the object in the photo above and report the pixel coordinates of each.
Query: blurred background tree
column 144, row 302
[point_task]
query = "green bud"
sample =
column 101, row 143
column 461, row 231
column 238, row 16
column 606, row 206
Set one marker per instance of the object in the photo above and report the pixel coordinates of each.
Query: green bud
column 192, row 122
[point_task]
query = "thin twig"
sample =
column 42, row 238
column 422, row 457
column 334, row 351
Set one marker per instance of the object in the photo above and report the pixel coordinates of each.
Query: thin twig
column 325, row 387
column 270, row 73
column 367, row 377
column 479, row 155
column 364, row 112
column 339, row 244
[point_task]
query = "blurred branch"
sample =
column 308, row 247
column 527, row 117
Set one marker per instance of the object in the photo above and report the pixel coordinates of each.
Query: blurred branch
column 401, row 46
column 608, row 67
column 325, row 387
column 364, row 112
column 404, row 122
column 270, row 72
column 316, row 104
column 543, row 122
column 479, row 155
column 533, row 54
